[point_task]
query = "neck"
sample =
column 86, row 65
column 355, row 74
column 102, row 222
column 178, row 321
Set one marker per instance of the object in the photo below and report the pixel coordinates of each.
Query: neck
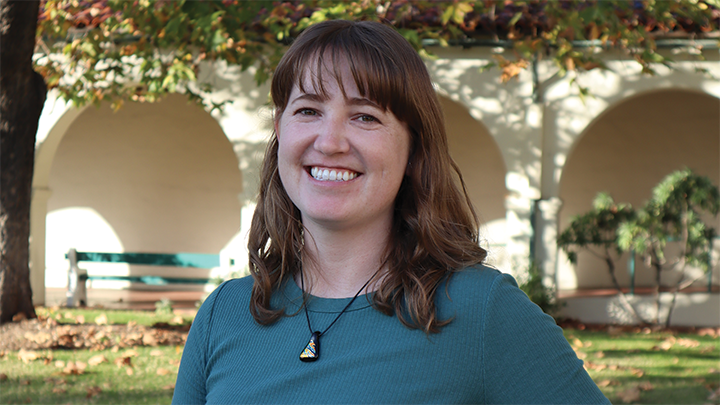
column 338, row 263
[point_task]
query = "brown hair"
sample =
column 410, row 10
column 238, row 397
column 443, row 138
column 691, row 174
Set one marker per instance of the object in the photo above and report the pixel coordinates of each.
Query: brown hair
column 435, row 229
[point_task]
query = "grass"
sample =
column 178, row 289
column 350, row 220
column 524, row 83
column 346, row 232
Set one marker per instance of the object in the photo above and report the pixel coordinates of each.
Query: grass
column 651, row 367
column 639, row 368
column 49, row 380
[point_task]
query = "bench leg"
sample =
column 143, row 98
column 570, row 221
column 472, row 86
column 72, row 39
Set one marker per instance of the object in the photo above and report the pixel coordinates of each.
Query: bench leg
column 81, row 294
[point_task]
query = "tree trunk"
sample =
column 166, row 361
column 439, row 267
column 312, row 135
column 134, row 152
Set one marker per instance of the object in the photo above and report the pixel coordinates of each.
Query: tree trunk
column 22, row 95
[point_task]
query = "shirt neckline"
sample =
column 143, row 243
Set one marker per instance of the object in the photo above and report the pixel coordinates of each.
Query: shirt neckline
column 293, row 299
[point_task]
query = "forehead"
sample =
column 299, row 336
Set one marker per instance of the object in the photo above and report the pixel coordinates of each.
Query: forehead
column 328, row 75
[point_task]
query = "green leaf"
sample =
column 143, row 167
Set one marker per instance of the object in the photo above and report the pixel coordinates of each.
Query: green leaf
column 515, row 19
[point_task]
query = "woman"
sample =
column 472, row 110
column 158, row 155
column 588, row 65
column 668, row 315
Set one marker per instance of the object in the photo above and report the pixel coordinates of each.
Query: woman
column 367, row 284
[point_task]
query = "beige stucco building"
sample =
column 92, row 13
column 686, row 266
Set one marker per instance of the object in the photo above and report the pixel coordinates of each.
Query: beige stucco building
column 171, row 177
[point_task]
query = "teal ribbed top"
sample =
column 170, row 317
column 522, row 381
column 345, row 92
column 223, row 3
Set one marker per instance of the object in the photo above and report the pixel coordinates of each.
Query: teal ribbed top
column 499, row 348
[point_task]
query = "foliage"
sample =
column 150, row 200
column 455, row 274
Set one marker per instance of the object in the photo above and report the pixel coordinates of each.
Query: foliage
column 542, row 295
column 163, row 307
column 674, row 214
column 95, row 50
column 596, row 233
column 596, row 228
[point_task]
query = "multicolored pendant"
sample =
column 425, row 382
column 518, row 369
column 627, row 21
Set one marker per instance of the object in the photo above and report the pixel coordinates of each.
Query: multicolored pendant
column 312, row 349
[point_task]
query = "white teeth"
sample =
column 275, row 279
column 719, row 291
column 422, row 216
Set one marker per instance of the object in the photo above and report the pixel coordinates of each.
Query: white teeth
column 331, row 175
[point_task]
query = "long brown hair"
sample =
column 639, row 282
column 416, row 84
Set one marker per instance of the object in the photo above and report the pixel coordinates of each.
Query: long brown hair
column 435, row 229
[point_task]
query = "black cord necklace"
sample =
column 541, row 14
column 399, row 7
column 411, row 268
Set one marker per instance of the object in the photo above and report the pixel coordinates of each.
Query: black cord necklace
column 311, row 352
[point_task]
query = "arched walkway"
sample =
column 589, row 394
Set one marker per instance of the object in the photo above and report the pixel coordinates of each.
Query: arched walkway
column 626, row 152
column 483, row 169
column 163, row 176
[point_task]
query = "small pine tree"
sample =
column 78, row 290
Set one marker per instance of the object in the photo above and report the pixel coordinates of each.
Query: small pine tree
column 674, row 214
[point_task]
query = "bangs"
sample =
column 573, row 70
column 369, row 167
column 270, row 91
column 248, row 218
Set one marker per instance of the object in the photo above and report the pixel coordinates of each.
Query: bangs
column 375, row 70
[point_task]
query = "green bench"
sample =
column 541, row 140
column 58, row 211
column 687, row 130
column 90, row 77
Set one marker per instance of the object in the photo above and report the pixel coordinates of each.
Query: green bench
column 77, row 277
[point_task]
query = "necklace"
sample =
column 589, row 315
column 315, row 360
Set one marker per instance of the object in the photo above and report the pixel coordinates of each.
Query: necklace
column 312, row 349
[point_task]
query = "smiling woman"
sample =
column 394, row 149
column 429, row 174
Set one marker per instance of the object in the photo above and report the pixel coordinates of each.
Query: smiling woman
column 364, row 239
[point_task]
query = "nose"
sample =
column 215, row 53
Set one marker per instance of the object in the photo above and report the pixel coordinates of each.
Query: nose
column 332, row 136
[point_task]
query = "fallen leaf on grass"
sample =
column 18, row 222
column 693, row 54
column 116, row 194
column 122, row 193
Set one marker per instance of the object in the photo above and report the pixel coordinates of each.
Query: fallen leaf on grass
column 156, row 353
column 3, row 377
column 24, row 382
column 706, row 350
column 690, row 343
column 149, row 340
column 60, row 364
column 177, row 320
column 605, row 383
column 714, row 371
column 124, row 361
column 101, row 319
column 577, row 343
column 629, row 395
column 27, row 355
column 129, row 371
column 95, row 360
column 130, row 353
column 163, row 371
column 59, row 390
column 707, row 332
column 93, row 391
column 599, row 354
column 637, row 372
column 80, row 319
column 39, row 338
column 169, row 387
column 675, row 360
column 646, row 386
column 74, row 368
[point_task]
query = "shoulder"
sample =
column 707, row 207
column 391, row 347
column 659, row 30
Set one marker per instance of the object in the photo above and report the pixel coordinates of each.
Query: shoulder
column 231, row 295
column 478, row 282
column 468, row 293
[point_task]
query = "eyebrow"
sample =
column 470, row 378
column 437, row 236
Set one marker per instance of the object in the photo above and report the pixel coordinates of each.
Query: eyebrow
column 360, row 101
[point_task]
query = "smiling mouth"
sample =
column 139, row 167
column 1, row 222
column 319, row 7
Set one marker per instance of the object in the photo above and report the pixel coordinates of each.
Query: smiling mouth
column 321, row 174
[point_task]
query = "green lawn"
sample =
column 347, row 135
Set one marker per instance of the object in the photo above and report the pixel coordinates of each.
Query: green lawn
column 639, row 368
column 651, row 368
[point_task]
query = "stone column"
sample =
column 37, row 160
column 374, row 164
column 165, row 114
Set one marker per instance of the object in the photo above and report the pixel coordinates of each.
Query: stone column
column 518, row 211
column 546, row 231
column 38, row 213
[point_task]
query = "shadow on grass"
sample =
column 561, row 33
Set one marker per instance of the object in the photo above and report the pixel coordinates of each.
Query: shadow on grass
column 667, row 390
column 59, row 389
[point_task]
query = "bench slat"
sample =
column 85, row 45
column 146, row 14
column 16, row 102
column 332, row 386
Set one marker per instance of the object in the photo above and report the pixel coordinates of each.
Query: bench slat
column 195, row 260
column 149, row 280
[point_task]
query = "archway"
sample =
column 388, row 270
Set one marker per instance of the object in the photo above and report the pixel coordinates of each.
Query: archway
column 164, row 176
column 483, row 169
column 626, row 152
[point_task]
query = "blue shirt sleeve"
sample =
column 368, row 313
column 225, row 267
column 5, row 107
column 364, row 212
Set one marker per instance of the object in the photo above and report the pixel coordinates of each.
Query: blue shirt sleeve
column 190, row 387
column 526, row 358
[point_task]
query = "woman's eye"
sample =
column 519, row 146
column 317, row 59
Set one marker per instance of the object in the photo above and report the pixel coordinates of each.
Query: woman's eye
column 306, row 111
column 367, row 118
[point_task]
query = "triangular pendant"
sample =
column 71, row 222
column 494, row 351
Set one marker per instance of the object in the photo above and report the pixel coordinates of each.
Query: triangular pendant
column 312, row 349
